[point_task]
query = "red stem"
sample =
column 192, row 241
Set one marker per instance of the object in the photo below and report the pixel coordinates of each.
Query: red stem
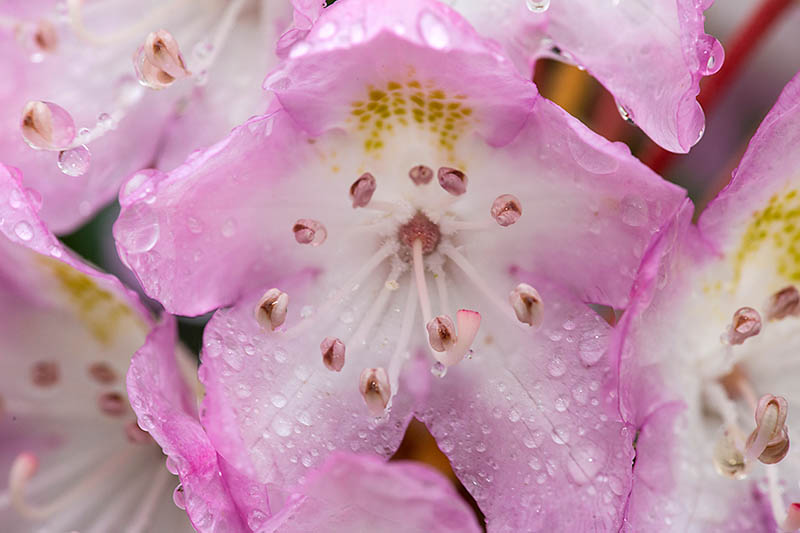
column 744, row 42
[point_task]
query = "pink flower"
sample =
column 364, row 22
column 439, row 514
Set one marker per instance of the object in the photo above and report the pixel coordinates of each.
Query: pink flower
column 407, row 165
column 650, row 56
column 71, row 451
column 707, row 351
column 75, row 119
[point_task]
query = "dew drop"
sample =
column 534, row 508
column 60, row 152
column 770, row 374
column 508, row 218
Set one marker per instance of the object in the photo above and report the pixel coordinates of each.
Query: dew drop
column 556, row 367
column 46, row 125
column 278, row 400
column 633, row 210
column 172, row 466
column 141, row 235
column 229, row 228
column 709, row 55
column 537, row 6
column 23, row 230
column 433, row 31
column 439, row 370
column 561, row 404
column 256, row 519
column 105, row 121
column 75, row 161
column 624, row 113
column 591, row 350
column 281, row 427
column 560, row 435
column 179, row 497
column 194, row 225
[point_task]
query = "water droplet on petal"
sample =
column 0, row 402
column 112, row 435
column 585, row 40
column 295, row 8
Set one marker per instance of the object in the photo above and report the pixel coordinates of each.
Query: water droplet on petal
column 179, row 497
column 633, row 210
column 327, row 30
column 709, row 55
column 75, row 161
column 142, row 233
column 433, row 31
column 229, row 228
column 47, row 126
column 139, row 185
column 23, row 230
column 256, row 519
column 438, row 370
column 625, row 113
column 278, row 400
column 538, row 6
column 591, row 350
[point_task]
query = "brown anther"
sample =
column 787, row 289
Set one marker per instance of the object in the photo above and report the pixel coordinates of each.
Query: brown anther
column 452, row 180
column 45, row 373
column 332, row 353
column 362, row 189
column 441, row 333
column 271, row 309
column 527, row 304
column 45, row 37
column 162, row 51
column 308, row 231
column 771, row 432
column 112, row 403
column 746, row 323
column 420, row 228
column 785, row 302
column 102, row 373
column 506, row 209
column 420, row 174
column 376, row 390
column 37, row 124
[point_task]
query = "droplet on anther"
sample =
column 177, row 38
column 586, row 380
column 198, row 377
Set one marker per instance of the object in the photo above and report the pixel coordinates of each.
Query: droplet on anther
column 159, row 62
column 420, row 174
column 46, row 126
column 375, row 388
column 441, row 333
column 769, row 442
column 362, row 189
column 452, row 180
column 746, row 323
column 271, row 309
column 308, row 231
column 785, row 302
column 332, row 353
column 792, row 522
column 506, row 209
column 527, row 305
column 728, row 459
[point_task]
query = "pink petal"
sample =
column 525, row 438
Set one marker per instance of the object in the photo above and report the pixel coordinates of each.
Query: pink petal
column 165, row 408
column 531, row 428
column 354, row 493
column 66, row 336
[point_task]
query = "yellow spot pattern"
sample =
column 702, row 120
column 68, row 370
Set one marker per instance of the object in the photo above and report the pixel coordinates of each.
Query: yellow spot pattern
column 400, row 105
column 98, row 308
column 777, row 224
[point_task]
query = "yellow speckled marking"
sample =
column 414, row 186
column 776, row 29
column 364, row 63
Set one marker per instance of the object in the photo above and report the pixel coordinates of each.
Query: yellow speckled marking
column 399, row 104
column 777, row 224
column 100, row 310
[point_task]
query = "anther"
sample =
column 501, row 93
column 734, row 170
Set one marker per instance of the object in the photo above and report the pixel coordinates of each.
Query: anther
column 441, row 333
column 375, row 388
column 159, row 61
column 102, row 373
column 785, row 302
column 506, row 209
column 271, row 309
column 112, row 403
column 452, row 180
column 527, row 304
column 45, row 36
column 332, row 353
column 769, row 442
column 308, row 231
column 468, row 323
column 45, row 374
column 362, row 189
column 420, row 175
column 728, row 459
column 746, row 323
column 47, row 126
column 792, row 522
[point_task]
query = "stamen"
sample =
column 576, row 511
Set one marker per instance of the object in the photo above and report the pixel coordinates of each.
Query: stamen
column 746, row 323
column 792, row 522
column 727, row 458
column 419, row 278
column 506, row 209
column 102, row 373
column 769, row 442
column 159, row 63
column 375, row 388
column 785, row 302
column 468, row 324
column 308, row 231
column 527, row 305
column 41, row 37
column 332, row 353
column 375, row 311
column 112, row 403
column 420, row 175
column 46, row 126
column 441, row 333
column 362, row 189
column 452, row 180
column 401, row 349
column 271, row 309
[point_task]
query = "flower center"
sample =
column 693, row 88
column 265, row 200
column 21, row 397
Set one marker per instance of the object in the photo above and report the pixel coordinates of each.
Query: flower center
column 421, row 238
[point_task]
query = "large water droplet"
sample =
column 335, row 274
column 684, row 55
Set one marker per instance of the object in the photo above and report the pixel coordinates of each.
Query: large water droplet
column 179, row 497
column 591, row 350
column 141, row 235
column 538, row 6
column 633, row 210
column 23, row 230
column 709, row 55
column 438, row 370
column 281, row 427
column 585, row 462
column 256, row 519
column 433, row 31
column 75, row 161
column 626, row 115
column 278, row 400
column 46, row 126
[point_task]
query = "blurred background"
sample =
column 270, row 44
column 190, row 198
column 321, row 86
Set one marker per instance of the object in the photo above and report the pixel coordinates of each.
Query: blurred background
column 760, row 38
